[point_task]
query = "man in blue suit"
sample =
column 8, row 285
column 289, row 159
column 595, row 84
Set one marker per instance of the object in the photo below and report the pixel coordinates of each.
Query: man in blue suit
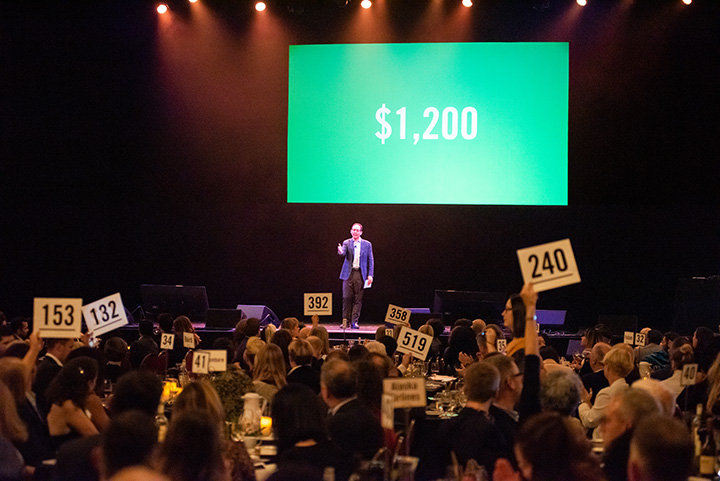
column 358, row 268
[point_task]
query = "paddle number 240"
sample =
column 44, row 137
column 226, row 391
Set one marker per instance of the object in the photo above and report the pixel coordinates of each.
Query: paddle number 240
column 547, row 263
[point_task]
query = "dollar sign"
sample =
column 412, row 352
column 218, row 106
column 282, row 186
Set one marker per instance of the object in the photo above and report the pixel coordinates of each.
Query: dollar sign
column 386, row 130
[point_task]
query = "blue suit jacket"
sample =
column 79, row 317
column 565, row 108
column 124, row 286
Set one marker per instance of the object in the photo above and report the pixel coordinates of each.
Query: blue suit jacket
column 367, row 262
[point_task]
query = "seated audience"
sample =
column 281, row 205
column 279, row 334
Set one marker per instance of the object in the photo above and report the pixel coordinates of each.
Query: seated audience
column 660, row 450
column 351, row 424
column 20, row 327
column 292, row 325
column 549, row 448
column 514, row 320
column 301, row 370
column 38, row 446
column 299, row 426
column 321, row 332
column 659, row 392
column 282, row 338
column 67, row 395
column 560, row 393
column 181, row 325
column 595, row 380
column 462, row 340
column 192, row 450
column 12, row 431
column 200, row 397
column 117, row 361
column 129, row 441
column 56, row 352
column 94, row 404
column 621, row 417
column 145, row 345
column 653, row 339
column 678, row 358
column 618, row 363
column 473, row 434
column 252, row 347
column 269, row 372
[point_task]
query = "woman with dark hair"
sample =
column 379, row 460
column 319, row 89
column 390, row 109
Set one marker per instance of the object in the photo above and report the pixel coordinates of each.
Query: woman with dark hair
column 282, row 338
column 298, row 419
column 201, row 397
column 68, row 392
column 549, row 447
column 12, row 430
column 181, row 325
column 192, row 450
column 514, row 319
column 93, row 402
column 462, row 340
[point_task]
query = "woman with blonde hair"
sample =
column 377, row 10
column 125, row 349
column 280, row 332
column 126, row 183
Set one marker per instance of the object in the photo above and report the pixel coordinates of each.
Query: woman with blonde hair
column 269, row 374
column 321, row 332
column 618, row 363
column 201, row 397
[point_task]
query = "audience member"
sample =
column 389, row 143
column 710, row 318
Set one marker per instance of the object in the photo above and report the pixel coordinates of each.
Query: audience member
column 595, row 380
column 321, row 333
column 560, row 393
column 659, row 392
column 165, row 322
column 660, row 450
column 514, row 320
column 292, row 325
column 653, row 339
column 7, row 336
column 252, row 347
column 67, row 395
column 618, row 363
column 269, row 374
column 678, row 358
column 20, row 327
column 462, row 340
column 282, row 338
column 622, row 415
column 129, row 441
column 192, row 450
column 181, row 325
column 351, row 424
column 12, row 430
column 503, row 408
column 136, row 390
column 478, row 325
column 200, row 397
column 301, row 434
column 301, row 371
column 117, row 361
column 357, row 353
column 56, row 352
column 145, row 345
column 472, row 434
column 549, row 447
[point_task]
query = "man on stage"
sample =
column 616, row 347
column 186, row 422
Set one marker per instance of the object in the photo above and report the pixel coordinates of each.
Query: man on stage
column 357, row 270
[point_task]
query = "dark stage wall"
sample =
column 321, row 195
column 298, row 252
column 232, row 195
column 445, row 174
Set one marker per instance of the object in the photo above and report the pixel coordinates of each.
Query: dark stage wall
column 136, row 149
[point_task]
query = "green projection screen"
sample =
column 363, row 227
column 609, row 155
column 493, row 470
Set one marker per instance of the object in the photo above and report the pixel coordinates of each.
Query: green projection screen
column 428, row 123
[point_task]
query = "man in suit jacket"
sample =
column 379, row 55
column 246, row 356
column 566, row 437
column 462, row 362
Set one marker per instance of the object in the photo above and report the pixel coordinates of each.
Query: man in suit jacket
column 358, row 267
column 57, row 351
column 350, row 423
column 301, row 371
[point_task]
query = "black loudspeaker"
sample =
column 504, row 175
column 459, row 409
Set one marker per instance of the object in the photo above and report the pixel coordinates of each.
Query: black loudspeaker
column 224, row 318
column 417, row 319
column 264, row 313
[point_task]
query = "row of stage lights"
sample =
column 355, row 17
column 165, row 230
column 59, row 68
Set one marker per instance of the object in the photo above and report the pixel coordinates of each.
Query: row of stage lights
column 261, row 6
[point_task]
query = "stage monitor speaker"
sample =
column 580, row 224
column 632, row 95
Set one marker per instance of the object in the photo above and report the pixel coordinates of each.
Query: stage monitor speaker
column 469, row 304
column 224, row 318
column 264, row 313
column 420, row 316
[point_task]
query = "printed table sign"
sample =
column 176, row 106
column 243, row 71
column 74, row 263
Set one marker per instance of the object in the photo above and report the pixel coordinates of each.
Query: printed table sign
column 167, row 341
column 406, row 392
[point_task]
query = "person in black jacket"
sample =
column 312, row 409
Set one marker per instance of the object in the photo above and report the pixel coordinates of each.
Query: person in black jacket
column 351, row 424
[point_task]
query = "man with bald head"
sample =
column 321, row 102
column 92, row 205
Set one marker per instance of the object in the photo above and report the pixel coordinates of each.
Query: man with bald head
column 596, row 380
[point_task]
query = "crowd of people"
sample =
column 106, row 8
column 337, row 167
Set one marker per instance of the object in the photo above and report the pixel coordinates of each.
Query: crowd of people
column 612, row 412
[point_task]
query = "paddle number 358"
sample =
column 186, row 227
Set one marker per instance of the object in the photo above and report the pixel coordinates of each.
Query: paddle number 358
column 410, row 340
column 547, row 263
column 398, row 314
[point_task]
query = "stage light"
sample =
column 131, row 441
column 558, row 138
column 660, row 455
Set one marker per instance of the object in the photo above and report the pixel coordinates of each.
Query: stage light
column 467, row 3
column 687, row 2
column 162, row 8
column 192, row 1
column 260, row 6
column 582, row 3
column 366, row 4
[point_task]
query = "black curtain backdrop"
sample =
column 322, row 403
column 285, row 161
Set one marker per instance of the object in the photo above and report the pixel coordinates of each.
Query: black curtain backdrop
column 139, row 149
